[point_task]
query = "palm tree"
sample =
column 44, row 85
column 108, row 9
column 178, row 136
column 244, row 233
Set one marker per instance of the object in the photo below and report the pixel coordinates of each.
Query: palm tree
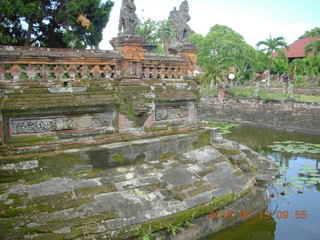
column 313, row 47
column 271, row 45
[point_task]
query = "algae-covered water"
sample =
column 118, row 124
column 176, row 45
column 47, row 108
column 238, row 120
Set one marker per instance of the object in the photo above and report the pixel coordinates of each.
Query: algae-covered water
column 295, row 204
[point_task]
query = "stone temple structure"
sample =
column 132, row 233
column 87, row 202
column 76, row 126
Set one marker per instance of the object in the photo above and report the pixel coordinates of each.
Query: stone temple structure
column 107, row 145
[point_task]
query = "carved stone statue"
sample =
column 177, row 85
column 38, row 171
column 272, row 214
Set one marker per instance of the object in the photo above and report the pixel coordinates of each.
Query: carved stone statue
column 128, row 18
column 179, row 19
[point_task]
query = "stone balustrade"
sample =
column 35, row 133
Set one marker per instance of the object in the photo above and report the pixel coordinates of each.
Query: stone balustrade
column 28, row 67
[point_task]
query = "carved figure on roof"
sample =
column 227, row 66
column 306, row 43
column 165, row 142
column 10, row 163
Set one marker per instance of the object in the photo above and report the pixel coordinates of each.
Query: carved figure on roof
column 179, row 19
column 128, row 18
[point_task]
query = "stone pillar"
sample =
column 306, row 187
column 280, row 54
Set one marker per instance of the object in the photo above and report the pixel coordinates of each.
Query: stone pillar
column 132, row 50
column 222, row 92
column 186, row 50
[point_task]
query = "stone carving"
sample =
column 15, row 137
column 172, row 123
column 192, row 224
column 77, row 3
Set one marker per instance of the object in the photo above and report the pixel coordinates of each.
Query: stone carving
column 128, row 18
column 222, row 91
column 172, row 113
column 179, row 19
column 44, row 125
column 256, row 93
column 290, row 91
column 35, row 125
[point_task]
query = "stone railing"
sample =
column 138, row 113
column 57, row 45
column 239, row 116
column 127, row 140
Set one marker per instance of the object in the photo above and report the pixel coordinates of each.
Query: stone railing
column 40, row 67
column 164, row 67
column 27, row 67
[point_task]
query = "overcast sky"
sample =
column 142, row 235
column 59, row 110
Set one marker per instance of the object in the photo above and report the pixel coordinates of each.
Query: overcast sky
column 255, row 20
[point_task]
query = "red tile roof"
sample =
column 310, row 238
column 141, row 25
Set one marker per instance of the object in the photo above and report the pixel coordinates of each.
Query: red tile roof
column 296, row 49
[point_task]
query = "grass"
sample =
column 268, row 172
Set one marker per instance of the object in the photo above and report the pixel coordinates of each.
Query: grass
column 245, row 92
column 307, row 98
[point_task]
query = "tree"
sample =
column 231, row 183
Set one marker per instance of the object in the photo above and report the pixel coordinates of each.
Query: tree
column 315, row 32
column 157, row 33
column 271, row 45
column 313, row 47
column 280, row 64
column 53, row 23
column 222, row 49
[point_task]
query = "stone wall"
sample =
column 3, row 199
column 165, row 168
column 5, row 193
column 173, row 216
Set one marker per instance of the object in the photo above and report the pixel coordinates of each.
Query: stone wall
column 54, row 93
column 288, row 115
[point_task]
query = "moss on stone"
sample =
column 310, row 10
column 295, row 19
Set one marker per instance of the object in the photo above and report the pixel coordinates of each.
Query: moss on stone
column 226, row 150
column 182, row 187
column 159, row 129
column 118, row 158
column 223, row 201
column 209, row 164
column 32, row 140
column 221, row 159
column 175, row 164
column 206, row 171
column 179, row 195
column 105, row 188
column 166, row 156
column 237, row 173
column 13, row 212
column 203, row 140
column 61, row 205
column 199, row 190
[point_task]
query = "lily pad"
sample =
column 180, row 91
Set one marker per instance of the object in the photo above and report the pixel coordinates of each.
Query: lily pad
column 295, row 147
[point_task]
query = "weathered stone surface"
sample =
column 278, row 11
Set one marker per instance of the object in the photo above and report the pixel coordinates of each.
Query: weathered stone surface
column 26, row 165
column 171, row 181
column 45, row 125
column 52, row 187
column 287, row 115
column 252, row 202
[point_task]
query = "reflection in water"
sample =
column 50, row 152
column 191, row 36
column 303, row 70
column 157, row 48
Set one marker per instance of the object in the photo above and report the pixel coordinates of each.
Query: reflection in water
column 304, row 198
column 254, row 229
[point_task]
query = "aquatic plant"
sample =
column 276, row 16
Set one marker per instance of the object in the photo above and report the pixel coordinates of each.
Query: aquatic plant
column 295, row 147
column 223, row 127
column 307, row 176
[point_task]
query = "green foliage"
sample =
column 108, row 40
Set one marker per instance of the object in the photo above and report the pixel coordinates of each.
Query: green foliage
column 223, row 201
column 295, row 147
column 223, row 127
column 53, row 23
column 313, row 47
column 271, row 45
column 297, row 67
column 174, row 228
column 315, row 32
column 157, row 32
column 280, row 64
column 208, row 91
column 309, row 66
column 118, row 158
column 298, row 80
column 146, row 233
column 222, row 49
column 240, row 92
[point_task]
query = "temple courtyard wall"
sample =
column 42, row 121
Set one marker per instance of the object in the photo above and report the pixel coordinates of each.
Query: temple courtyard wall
column 285, row 115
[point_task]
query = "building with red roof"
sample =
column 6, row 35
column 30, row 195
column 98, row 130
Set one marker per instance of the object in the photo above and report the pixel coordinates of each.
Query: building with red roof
column 296, row 49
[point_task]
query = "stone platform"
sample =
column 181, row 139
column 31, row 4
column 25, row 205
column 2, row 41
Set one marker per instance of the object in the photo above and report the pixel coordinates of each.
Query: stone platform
column 112, row 191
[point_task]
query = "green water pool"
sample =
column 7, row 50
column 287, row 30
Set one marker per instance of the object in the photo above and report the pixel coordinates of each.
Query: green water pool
column 294, row 207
